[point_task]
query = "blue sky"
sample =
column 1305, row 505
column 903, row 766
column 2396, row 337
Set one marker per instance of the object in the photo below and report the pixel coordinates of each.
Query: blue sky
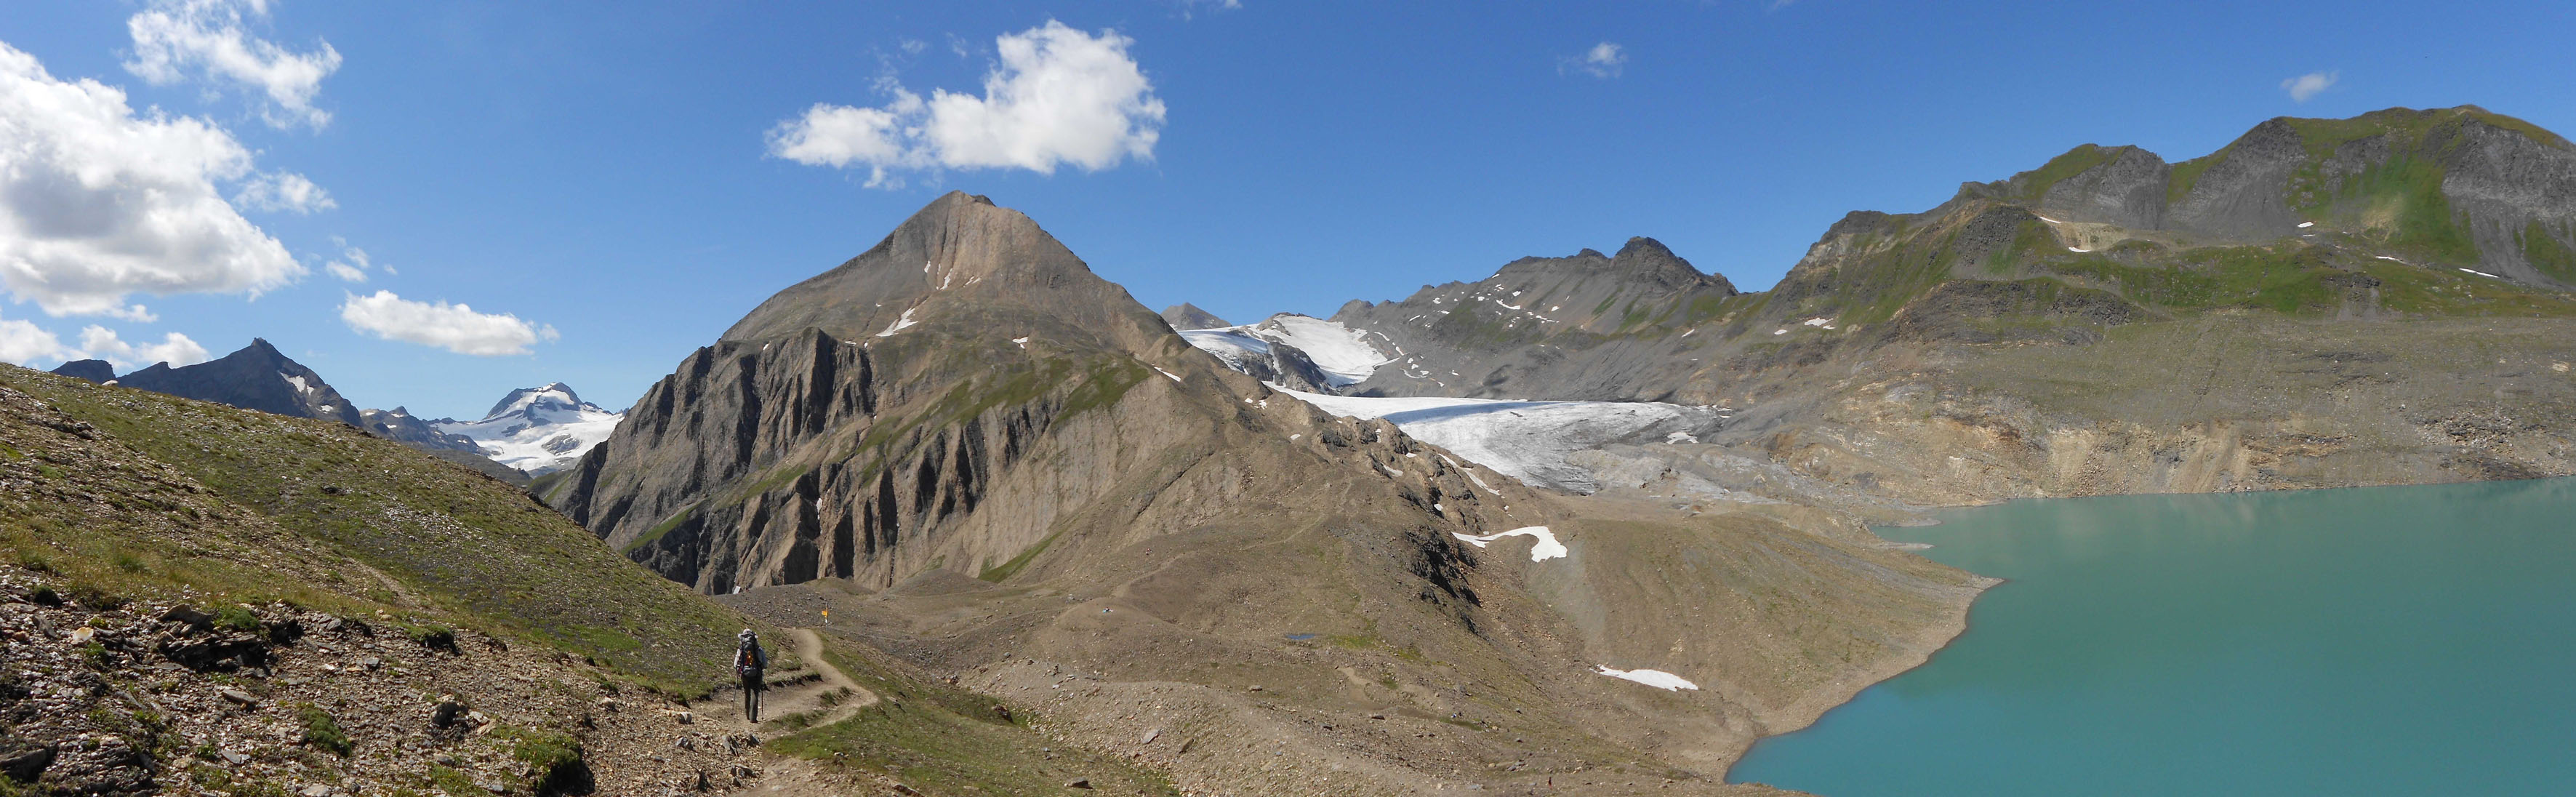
column 611, row 177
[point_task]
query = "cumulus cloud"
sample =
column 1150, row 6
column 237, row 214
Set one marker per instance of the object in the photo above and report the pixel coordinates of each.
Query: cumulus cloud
column 454, row 327
column 2309, row 85
column 178, row 40
column 1059, row 96
column 97, row 202
column 286, row 191
column 99, row 342
column 1604, row 60
column 352, row 264
column 25, row 343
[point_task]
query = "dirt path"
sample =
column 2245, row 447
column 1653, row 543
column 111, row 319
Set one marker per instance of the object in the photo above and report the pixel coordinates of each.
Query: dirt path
column 802, row 691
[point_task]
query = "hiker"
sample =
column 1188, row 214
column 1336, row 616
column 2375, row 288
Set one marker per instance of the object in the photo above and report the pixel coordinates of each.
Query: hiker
column 748, row 662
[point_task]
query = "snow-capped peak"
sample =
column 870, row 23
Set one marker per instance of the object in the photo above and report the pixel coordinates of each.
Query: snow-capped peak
column 538, row 429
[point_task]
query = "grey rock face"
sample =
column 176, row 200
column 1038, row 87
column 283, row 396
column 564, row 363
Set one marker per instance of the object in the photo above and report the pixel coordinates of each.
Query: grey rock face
column 2128, row 191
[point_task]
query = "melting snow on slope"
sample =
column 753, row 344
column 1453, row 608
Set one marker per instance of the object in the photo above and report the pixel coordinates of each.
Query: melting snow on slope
column 1544, row 549
column 298, row 382
column 1654, row 678
column 899, row 323
column 1526, row 440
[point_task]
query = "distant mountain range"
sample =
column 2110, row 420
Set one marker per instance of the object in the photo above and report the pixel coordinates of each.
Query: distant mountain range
column 532, row 431
column 2288, row 311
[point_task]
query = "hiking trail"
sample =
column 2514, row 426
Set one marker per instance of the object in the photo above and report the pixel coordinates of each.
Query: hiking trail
column 797, row 691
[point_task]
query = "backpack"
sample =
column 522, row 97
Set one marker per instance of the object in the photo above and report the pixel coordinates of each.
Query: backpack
column 747, row 659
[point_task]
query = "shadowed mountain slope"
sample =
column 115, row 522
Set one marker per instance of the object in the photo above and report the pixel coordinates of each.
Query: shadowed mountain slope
column 257, row 377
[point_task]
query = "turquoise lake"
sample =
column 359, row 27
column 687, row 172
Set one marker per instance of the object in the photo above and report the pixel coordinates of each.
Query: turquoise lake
column 2397, row 640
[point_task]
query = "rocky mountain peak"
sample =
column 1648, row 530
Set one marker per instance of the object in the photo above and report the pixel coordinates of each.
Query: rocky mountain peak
column 258, row 377
column 959, row 266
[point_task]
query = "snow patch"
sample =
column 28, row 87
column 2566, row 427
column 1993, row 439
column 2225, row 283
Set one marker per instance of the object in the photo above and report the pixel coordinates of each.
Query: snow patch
column 2481, row 273
column 2306, row 224
column 1654, row 678
column 1159, row 369
column 899, row 324
column 1022, row 340
column 1545, row 549
column 298, row 382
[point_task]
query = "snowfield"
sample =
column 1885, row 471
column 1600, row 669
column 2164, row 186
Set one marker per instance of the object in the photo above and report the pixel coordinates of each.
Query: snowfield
column 1527, row 440
column 1654, row 678
column 1544, row 549
column 539, row 430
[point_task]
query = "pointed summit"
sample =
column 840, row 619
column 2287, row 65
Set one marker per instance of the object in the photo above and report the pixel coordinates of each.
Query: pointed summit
column 961, row 265
column 257, row 377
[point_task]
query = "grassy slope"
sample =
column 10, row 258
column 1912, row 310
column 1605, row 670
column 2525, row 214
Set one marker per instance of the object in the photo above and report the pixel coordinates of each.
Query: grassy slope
column 950, row 741
column 213, row 504
column 455, row 545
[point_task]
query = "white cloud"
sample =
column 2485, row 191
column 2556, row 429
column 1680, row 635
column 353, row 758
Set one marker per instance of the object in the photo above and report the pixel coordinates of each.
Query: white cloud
column 1059, row 96
column 2308, row 85
column 24, row 343
column 175, row 40
column 97, row 202
column 99, row 342
column 1604, row 60
column 285, row 191
column 352, row 264
column 454, row 327
column 1189, row 8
